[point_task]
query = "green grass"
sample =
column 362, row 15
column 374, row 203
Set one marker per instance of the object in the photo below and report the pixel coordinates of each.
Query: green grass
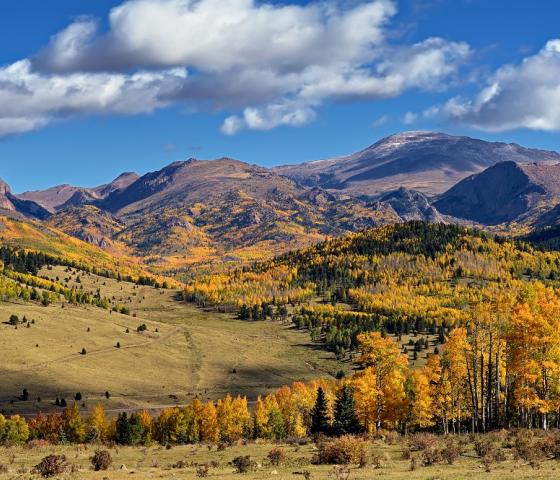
column 193, row 353
column 157, row 462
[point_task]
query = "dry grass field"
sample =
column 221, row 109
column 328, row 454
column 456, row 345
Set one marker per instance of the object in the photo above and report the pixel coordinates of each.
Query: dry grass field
column 180, row 462
column 185, row 351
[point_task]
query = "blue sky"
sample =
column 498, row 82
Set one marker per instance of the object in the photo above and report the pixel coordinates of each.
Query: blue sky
column 390, row 79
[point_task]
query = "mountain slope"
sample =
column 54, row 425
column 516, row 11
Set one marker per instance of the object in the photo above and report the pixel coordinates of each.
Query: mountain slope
column 13, row 204
column 426, row 161
column 62, row 196
column 227, row 207
column 506, row 192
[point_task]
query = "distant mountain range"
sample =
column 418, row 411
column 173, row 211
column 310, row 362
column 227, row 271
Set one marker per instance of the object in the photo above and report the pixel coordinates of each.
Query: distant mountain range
column 425, row 161
column 195, row 212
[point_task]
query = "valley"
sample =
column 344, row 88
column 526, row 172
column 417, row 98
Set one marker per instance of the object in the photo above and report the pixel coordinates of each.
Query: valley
column 168, row 364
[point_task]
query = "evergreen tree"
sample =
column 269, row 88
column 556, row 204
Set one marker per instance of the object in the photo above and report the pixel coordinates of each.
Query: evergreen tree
column 122, row 428
column 345, row 417
column 319, row 414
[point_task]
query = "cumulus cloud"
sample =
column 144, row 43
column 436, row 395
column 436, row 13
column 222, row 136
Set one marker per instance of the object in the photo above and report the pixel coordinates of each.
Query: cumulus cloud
column 269, row 64
column 31, row 100
column 219, row 35
column 526, row 95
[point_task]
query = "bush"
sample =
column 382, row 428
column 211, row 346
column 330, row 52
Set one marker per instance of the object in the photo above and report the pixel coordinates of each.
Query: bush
column 452, row 451
column 391, row 437
column 202, row 470
column 277, row 456
column 51, row 465
column 550, row 445
column 432, row 454
column 243, row 464
column 524, row 448
column 37, row 443
column 422, row 441
column 101, row 460
column 488, row 450
column 342, row 451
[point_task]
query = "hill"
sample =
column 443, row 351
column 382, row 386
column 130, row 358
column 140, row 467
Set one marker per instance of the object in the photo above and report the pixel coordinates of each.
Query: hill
column 164, row 364
column 401, row 279
column 19, row 232
column 200, row 212
column 14, row 205
column 426, row 161
column 62, row 196
column 504, row 193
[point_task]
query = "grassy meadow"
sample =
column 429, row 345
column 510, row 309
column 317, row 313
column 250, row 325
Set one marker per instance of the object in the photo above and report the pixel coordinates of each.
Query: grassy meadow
column 184, row 351
column 385, row 461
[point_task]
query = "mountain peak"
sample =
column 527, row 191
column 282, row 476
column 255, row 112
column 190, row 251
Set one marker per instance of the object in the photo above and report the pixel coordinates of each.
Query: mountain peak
column 430, row 162
column 503, row 192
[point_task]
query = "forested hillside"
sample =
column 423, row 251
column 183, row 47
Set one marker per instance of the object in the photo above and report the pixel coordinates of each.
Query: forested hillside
column 489, row 306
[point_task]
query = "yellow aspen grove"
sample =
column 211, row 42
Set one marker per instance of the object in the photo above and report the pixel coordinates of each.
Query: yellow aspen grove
column 534, row 357
column 440, row 390
column 260, row 417
column 366, row 396
column 455, row 371
column 209, row 428
column 147, row 423
column 389, row 366
column 233, row 417
column 422, row 411
column 97, row 423
column 241, row 418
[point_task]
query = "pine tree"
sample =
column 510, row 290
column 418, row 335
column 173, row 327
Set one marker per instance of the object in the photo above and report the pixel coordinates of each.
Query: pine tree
column 345, row 416
column 319, row 415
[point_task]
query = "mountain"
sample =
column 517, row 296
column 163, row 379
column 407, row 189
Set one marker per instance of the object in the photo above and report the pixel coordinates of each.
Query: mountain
column 425, row 161
column 63, row 196
column 506, row 192
column 411, row 205
column 12, row 204
column 88, row 223
column 208, row 211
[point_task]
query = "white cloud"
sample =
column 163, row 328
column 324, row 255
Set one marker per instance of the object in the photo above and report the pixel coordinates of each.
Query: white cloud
column 526, row 95
column 409, row 118
column 378, row 122
column 31, row 100
column 219, row 35
column 269, row 117
column 268, row 64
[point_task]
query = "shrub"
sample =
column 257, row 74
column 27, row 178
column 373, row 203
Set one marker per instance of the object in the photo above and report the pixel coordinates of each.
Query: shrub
column 243, row 464
column 37, row 443
column 452, row 451
column 525, row 449
column 342, row 451
column 202, row 470
column 488, row 450
column 432, row 454
column 276, row 456
column 550, row 445
column 422, row 441
column 391, row 437
column 101, row 460
column 51, row 465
